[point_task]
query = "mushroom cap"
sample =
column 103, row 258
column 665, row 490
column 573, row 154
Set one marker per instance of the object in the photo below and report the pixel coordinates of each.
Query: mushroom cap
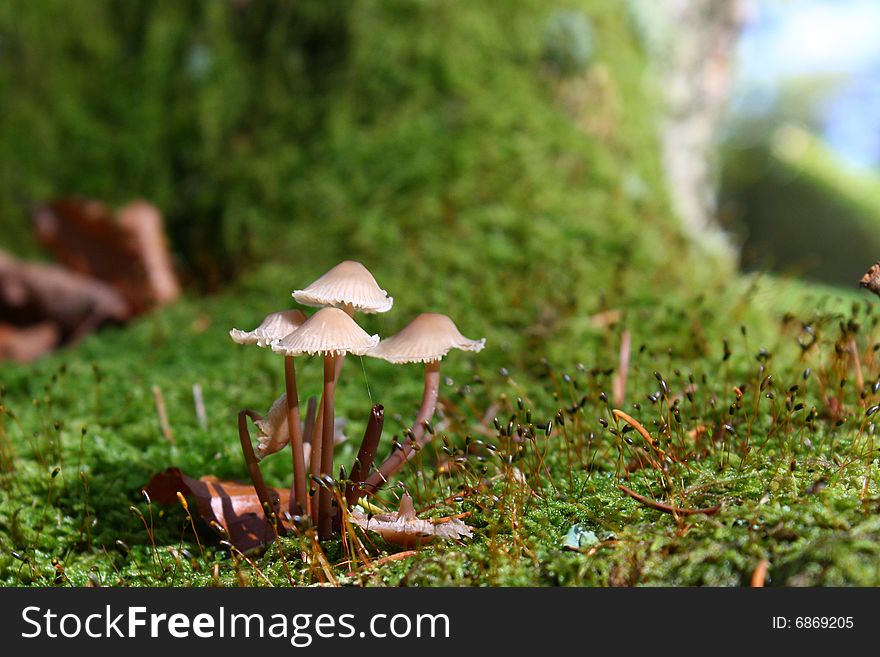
column 348, row 283
column 329, row 331
column 273, row 328
column 427, row 338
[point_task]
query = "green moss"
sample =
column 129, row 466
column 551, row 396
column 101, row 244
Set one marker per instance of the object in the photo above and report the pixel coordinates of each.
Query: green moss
column 771, row 507
column 428, row 140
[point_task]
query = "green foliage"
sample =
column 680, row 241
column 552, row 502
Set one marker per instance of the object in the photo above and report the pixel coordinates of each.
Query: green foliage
column 568, row 42
column 206, row 109
column 795, row 486
column 796, row 201
column 381, row 129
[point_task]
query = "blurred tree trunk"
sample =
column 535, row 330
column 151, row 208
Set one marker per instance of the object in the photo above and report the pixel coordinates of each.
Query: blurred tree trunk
column 695, row 57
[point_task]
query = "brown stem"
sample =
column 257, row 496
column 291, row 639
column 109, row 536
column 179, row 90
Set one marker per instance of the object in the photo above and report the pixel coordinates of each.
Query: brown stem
column 666, row 508
column 325, row 495
column 399, row 457
column 619, row 381
column 298, row 486
column 247, row 448
column 759, row 575
column 364, row 461
column 315, row 460
column 309, row 422
column 315, row 431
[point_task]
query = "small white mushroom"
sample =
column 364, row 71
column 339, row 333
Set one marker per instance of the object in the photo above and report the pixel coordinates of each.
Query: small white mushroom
column 350, row 286
column 427, row 339
column 272, row 329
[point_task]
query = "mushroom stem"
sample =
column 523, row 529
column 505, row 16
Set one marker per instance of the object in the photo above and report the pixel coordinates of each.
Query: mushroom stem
column 298, row 486
column 364, row 461
column 315, row 460
column 247, row 448
column 399, row 457
column 340, row 359
column 309, row 422
column 315, row 432
column 325, row 495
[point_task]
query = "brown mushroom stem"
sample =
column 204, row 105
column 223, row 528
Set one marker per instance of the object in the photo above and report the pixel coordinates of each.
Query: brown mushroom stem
column 247, row 448
column 309, row 422
column 325, row 495
column 399, row 457
column 298, row 486
column 315, row 432
column 367, row 452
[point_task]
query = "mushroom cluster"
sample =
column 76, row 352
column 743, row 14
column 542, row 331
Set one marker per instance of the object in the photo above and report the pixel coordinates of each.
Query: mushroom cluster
column 332, row 333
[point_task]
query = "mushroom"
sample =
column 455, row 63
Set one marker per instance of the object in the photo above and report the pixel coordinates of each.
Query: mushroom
column 351, row 287
column 330, row 332
column 427, row 339
column 406, row 529
column 274, row 327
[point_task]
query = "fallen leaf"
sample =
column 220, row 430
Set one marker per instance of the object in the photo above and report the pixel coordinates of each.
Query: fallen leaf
column 579, row 537
column 231, row 505
column 406, row 529
column 27, row 343
column 127, row 249
column 31, row 293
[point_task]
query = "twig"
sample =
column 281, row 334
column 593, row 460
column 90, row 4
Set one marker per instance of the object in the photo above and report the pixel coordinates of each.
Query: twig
column 364, row 461
column 449, row 500
column 760, row 574
column 318, row 554
column 854, row 350
column 163, row 415
column 619, row 382
column 238, row 553
column 192, row 523
column 266, row 500
column 445, row 519
column 199, row 402
column 635, row 424
column 397, row 556
column 674, row 510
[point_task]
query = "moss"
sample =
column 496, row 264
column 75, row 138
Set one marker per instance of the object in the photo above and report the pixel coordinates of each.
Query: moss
column 771, row 507
column 433, row 145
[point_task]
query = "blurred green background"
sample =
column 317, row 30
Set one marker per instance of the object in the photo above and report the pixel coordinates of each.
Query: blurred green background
column 495, row 161
column 801, row 146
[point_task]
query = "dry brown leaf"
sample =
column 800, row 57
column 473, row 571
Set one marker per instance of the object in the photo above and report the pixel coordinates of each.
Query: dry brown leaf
column 25, row 344
column 127, row 249
column 34, row 292
column 231, row 505
column 408, row 530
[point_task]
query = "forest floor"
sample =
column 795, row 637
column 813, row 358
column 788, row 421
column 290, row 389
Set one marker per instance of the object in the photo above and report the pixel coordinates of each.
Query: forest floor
column 758, row 396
